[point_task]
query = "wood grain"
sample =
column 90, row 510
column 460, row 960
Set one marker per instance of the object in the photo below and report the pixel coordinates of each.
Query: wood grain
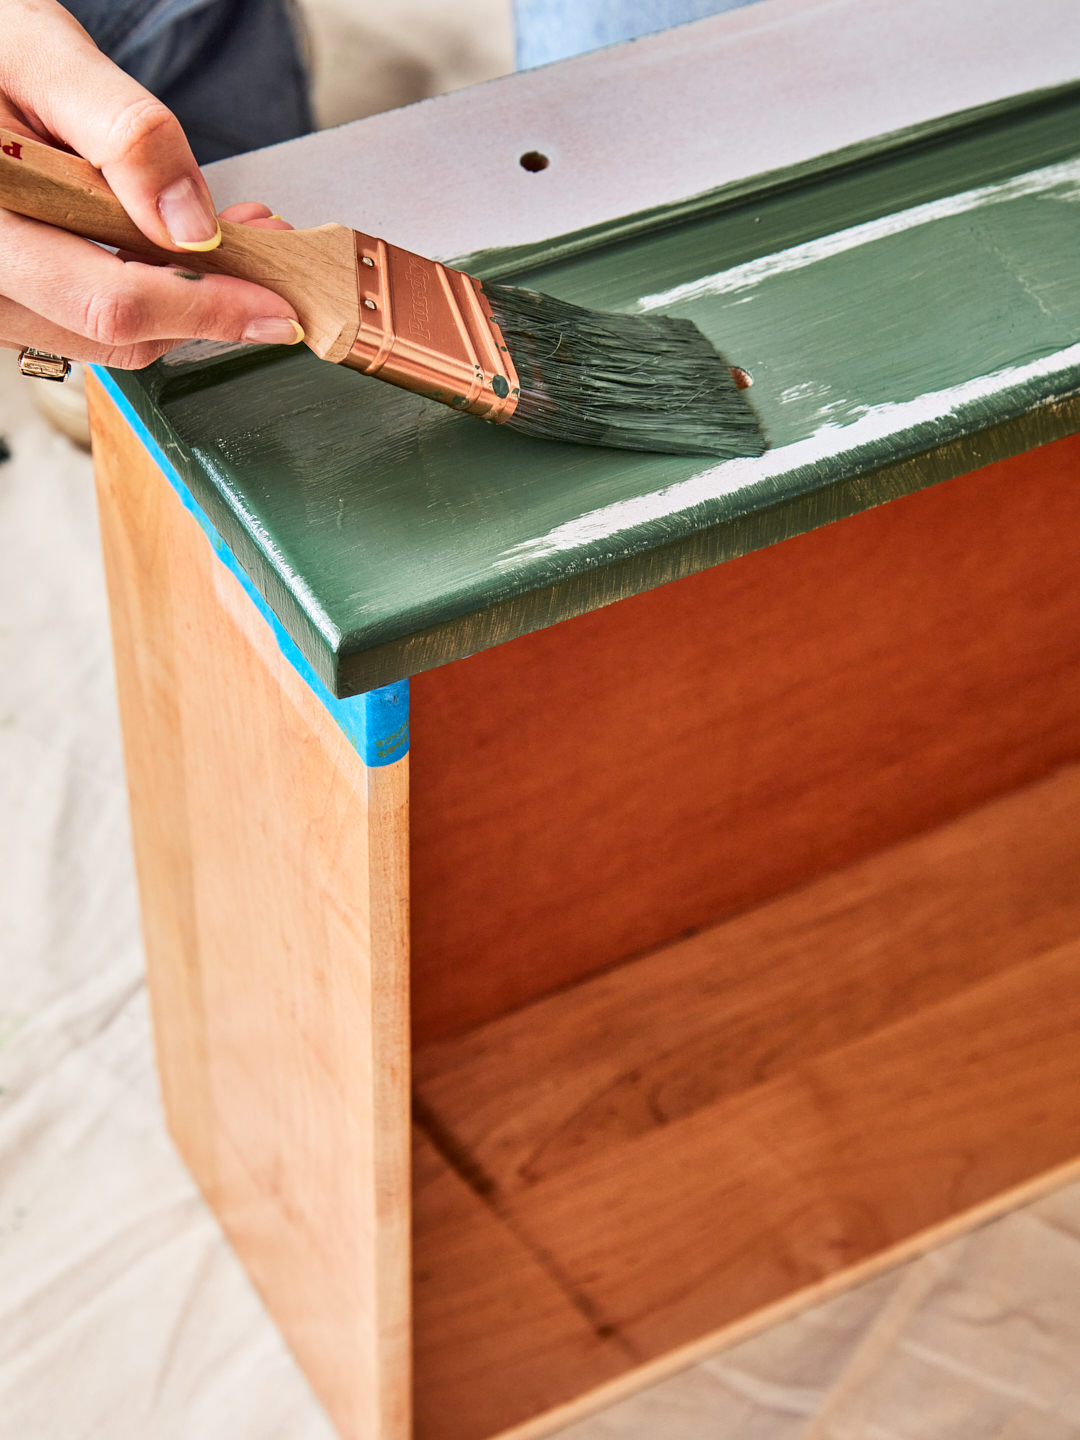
column 273, row 875
column 593, row 791
column 741, row 1118
column 314, row 270
column 578, row 1074
column 498, row 1339
column 673, row 1362
column 768, row 1192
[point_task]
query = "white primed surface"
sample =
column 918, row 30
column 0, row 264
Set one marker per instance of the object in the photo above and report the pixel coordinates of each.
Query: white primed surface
column 657, row 119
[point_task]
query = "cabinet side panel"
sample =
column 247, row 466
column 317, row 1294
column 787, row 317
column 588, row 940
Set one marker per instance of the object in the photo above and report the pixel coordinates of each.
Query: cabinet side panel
column 273, row 872
column 593, row 791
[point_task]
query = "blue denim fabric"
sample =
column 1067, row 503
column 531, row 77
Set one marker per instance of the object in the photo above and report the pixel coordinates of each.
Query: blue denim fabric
column 230, row 70
column 547, row 30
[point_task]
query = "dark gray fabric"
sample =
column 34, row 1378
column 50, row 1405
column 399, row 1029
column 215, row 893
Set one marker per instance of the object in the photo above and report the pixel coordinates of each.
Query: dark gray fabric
column 159, row 38
column 230, row 70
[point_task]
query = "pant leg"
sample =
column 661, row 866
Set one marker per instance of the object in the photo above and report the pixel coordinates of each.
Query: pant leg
column 232, row 71
column 547, row 30
column 248, row 86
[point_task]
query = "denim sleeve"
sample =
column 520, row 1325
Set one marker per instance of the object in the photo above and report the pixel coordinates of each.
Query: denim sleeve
column 547, row 30
column 231, row 71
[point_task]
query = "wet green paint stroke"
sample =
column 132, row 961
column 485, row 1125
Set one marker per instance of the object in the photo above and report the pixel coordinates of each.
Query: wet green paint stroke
column 954, row 292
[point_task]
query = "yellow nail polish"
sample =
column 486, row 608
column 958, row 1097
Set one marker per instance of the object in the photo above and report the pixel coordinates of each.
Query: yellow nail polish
column 210, row 244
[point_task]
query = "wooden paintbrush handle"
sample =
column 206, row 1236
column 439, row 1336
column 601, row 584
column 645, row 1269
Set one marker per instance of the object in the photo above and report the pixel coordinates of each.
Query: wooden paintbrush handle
column 314, row 270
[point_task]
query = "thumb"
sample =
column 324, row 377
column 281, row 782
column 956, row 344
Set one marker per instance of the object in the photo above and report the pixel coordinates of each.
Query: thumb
column 89, row 104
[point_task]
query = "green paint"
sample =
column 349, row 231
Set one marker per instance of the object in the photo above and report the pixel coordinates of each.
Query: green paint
column 390, row 535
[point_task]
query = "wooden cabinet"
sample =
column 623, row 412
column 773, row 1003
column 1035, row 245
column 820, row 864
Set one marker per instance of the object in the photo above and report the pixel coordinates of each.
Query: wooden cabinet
column 742, row 831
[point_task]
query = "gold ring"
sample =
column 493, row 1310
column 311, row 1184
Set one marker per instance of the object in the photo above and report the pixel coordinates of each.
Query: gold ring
column 41, row 365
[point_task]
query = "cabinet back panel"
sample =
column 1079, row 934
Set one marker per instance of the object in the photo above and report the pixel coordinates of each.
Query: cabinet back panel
column 594, row 790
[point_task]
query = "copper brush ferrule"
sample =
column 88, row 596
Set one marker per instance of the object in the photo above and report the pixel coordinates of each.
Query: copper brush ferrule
column 428, row 328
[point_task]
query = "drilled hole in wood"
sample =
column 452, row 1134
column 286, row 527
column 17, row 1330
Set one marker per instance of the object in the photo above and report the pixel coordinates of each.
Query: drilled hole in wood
column 532, row 160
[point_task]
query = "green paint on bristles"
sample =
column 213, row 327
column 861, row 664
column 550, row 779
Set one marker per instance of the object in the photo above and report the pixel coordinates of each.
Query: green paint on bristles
column 634, row 382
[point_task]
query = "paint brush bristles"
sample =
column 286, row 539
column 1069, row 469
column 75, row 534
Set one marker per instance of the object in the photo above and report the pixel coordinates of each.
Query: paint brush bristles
column 636, row 382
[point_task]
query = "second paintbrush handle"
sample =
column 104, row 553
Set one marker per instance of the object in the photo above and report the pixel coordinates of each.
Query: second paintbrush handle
column 314, row 270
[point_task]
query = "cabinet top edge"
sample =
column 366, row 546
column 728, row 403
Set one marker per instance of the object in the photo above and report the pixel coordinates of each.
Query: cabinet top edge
column 384, row 556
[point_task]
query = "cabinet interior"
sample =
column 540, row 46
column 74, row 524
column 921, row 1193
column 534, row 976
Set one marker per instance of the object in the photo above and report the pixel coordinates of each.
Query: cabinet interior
column 745, row 936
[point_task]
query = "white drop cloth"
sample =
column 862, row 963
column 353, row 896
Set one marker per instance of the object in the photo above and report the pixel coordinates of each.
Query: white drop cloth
column 123, row 1315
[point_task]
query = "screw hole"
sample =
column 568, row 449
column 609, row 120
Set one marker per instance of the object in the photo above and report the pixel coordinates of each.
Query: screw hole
column 743, row 379
column 533, row 161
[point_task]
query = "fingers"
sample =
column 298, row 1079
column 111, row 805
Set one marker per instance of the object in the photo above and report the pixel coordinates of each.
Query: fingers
column 58, row 292
column 20, row 327
column 248, row 212
column 245, row 212
column 63, row 86
column 108, row 306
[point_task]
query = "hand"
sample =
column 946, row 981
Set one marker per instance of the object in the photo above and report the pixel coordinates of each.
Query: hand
column 63, row 294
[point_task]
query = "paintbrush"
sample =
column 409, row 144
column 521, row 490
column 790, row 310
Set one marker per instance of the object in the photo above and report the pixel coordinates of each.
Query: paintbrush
column 508, row 355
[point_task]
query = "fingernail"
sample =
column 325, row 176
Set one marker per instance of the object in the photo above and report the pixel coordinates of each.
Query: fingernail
column 272, row 330
column 188, row 216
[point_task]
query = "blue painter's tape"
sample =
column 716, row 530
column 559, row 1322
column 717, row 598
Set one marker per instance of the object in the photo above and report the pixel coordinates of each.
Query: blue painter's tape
column 377, row 723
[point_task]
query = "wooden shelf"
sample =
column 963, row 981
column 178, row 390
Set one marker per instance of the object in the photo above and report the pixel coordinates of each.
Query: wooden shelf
column 641, row 1161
